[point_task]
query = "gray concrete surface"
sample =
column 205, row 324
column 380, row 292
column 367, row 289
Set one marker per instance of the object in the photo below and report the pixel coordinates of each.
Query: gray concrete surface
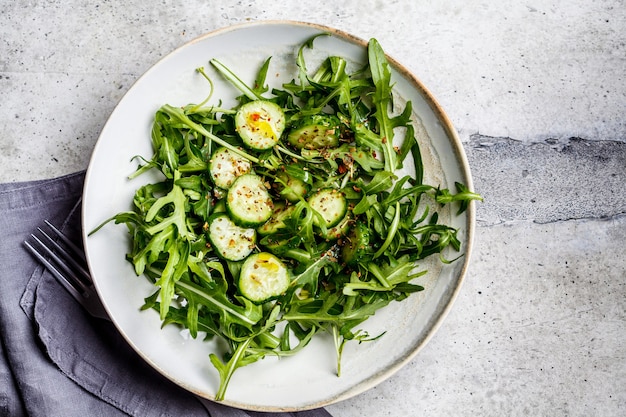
column 547, row 181
column 537, row 91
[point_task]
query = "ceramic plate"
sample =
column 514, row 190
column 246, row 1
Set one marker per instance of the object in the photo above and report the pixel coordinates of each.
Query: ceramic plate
column 308, row 379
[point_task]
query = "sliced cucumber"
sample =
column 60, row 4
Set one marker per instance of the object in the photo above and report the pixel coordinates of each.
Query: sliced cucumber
column 340, row 229
column 248, row 202
column 263, row 277
column 292, row 188
column 331, row 204
column 277, row 220
column 357, row 244
column 230, row 241
column 316, row 132
column 225, row 166
column 260, row 124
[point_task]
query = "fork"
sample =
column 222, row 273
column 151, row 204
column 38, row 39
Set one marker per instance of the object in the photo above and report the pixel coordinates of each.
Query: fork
column 67, row 263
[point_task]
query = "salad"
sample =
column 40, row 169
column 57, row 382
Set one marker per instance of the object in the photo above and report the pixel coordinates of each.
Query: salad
column 286, row 215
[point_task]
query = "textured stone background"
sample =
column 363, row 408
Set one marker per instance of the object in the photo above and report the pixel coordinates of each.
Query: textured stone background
column 529, row 71
column 537, row 91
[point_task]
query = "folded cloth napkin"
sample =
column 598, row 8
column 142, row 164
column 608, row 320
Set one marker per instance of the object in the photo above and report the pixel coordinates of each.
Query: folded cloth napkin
column 56, row 360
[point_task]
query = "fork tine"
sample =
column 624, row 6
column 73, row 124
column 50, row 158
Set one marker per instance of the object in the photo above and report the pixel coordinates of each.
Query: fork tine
column 77, row 251
column 54, row 271
column 73, row 277
column 86, row 278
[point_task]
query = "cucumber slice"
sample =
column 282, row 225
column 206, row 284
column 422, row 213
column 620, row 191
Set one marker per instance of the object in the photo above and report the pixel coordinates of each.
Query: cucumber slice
column 277, row 220
column 316, row 132
column 340, row 229
column 357, row 244
column 248, row 201
column 331, row 204
column 293, row 189
column 230, row 241
column 260, row 124
column 225, row 166
column 263, row 277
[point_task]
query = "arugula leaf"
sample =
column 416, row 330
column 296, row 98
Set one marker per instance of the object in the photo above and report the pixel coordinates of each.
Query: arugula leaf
column 464, row 196
column 381, row 75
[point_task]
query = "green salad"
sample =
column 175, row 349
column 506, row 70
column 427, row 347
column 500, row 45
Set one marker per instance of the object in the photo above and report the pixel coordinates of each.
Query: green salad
column 285, row 216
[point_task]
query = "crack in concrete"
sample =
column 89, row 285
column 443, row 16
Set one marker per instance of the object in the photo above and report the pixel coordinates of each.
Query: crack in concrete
column 618, row 217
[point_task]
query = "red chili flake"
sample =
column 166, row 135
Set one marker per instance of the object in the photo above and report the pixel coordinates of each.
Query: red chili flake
column 255, row 117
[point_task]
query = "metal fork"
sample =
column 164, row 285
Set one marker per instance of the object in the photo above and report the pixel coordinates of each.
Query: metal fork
column 67, row 263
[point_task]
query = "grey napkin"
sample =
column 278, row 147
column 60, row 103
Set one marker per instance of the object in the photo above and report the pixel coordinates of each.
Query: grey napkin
column 55, row 360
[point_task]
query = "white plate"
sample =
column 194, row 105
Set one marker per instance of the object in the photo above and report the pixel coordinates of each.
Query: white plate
column 307, row 380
